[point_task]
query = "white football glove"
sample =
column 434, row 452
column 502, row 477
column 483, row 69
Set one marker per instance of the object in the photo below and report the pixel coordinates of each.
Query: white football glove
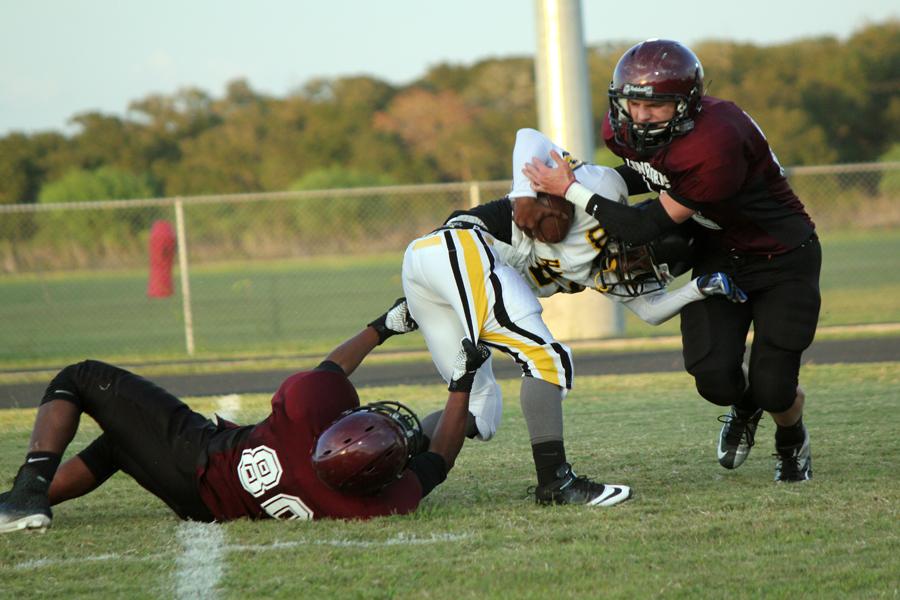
column 720, row 284
column 396, row 320
column 468, row 360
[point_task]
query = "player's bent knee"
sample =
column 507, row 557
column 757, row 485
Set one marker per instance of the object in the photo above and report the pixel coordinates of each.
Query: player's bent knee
column 64, row 386
column 486, row 429
column 486, row 404
column 719, row 387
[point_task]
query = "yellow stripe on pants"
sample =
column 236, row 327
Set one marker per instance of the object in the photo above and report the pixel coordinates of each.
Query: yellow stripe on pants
column 475, row 272
column 543, row 361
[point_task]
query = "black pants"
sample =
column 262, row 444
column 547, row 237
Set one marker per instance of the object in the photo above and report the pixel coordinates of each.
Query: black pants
column 147, row 432
column 783, row 307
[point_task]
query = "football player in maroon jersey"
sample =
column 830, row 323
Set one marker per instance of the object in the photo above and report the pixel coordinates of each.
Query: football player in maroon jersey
column 709, row 161
column 295, row 464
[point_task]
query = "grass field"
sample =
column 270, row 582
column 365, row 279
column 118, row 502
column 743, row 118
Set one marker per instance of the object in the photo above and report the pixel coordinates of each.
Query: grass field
column 309, row 306
column 693, row 530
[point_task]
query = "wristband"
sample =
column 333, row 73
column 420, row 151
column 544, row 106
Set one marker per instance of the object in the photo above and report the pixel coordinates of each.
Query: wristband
column 463, row 384
column 578, row 195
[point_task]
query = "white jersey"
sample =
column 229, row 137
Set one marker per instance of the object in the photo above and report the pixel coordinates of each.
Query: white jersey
column 570, row 266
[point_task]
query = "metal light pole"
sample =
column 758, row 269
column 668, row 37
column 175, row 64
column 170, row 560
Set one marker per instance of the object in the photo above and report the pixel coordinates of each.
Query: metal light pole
column 564, row 115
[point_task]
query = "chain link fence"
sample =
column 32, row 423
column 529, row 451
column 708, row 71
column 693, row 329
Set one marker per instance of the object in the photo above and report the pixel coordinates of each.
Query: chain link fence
column 296, row 272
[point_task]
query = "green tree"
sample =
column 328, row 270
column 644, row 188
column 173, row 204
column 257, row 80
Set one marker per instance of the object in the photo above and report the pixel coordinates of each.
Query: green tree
column 20, row 172
column 104, row 140
column 164, row 123
column 890, row 180
column 106, row 183
column 874, row 52
column 338, row 216
column 337, row 177
column 89, row 234
column 225, row 157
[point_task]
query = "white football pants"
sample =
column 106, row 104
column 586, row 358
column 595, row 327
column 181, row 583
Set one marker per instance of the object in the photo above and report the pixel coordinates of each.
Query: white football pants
column 456, row 287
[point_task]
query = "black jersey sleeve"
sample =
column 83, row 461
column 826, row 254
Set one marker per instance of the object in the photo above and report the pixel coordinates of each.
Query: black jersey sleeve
column 327, row 365
column 430, row 469
column 632, row 224
column 495, row 216
column 634, row 180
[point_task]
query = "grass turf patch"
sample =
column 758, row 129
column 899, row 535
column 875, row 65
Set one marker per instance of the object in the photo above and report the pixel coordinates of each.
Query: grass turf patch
column 693, row 529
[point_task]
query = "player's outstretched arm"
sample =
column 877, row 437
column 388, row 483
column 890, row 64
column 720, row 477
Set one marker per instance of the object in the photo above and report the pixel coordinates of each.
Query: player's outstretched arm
column 451, row 428
column 658, row 307
column 395, row 321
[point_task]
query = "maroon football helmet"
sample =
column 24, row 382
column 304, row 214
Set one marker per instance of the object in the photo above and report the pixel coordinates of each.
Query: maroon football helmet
column 662, row 70
column 368, row 447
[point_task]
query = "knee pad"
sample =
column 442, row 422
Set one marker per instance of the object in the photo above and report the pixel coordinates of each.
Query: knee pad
column 486, row 405
column 486, row 429
column 722, row 387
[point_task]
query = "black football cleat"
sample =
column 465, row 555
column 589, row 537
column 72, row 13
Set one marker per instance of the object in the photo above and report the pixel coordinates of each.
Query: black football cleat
column 736, row 438
column 570, row 489
column 794, row 463
column 26, row 505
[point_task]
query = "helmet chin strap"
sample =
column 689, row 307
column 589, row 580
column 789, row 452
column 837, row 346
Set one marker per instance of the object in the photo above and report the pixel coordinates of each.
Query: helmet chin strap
column 641, row 133
column 661, row 133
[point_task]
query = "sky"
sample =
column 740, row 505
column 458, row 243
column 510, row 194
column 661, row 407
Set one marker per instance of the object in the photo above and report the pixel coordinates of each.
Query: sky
column 59, row 58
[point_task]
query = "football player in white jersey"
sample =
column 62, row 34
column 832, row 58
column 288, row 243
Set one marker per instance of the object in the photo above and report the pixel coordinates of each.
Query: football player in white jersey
column 588, row 258
column 479, row 276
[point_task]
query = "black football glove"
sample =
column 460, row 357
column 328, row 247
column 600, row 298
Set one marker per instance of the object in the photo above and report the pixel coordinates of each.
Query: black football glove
column 468, row 360
column 720, row 284
column 395, row 321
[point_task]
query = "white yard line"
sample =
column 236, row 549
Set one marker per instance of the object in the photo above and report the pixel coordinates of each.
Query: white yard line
column 40, row 563
column 196, row 537
column 401, row 539
column 200, row 565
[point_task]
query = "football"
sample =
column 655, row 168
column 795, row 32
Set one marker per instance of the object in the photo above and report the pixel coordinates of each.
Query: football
column 554, row 229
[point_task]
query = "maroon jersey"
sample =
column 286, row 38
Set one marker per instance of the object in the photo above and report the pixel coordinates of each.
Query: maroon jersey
column 267, row 471
column 725, row 170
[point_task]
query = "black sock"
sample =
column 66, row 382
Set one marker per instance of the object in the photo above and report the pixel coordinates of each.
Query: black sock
column 792, row 435
column 44, row 463
column 548, row 458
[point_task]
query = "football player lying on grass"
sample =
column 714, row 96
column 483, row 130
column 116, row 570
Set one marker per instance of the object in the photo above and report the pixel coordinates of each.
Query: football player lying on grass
column 479, row 276
column 319, row 454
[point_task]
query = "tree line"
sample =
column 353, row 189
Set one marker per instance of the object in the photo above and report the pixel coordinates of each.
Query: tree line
column 820, row 101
